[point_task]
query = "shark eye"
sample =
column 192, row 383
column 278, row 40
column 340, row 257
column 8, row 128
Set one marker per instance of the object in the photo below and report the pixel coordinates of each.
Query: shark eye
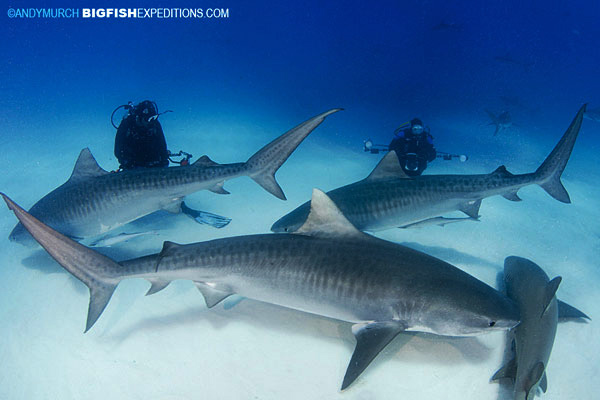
column 492, row 323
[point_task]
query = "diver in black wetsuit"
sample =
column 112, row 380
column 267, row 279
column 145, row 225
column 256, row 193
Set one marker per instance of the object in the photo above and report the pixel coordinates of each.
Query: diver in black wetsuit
column 414, row 147
column 140, row 143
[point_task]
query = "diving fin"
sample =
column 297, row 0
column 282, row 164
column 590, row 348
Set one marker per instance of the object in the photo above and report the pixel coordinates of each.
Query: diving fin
column 204, row 217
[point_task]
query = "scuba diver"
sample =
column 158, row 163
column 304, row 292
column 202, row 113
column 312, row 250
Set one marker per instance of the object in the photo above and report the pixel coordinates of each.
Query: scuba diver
column 140, row 143
column 414, row 148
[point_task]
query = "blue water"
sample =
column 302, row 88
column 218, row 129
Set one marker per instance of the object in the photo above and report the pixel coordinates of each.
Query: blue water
column 236, row 83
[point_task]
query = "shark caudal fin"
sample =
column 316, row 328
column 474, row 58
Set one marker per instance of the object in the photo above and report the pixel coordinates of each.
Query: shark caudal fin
column 99, row 273
column 265, row 162
column 548, row 174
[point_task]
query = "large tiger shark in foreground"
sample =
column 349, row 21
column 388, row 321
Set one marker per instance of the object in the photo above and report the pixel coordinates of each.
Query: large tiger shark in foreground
column 388, row 198
column 94, row 201
column 328, row 268
column 528, row 285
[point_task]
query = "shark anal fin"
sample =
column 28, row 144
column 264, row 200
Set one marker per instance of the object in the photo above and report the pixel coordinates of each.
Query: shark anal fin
column 512, row 196
column 509, row 371
column 544, row 383
column 218, row 188
column 566, row 311
column 471, row 208
column 371, row 338
column 157, row 286
column 551, row 289
column 212, row 296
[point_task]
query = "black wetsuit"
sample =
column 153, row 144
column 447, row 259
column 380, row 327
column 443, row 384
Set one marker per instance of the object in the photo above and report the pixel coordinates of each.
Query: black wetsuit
column 413, row 151
column 140, row 143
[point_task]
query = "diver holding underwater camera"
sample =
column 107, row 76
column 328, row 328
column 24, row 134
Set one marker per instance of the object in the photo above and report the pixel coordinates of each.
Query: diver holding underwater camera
column 140, row 143
column 414, row 148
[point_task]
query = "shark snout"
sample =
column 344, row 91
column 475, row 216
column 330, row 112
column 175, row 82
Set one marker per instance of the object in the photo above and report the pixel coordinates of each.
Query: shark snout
column 511, row 315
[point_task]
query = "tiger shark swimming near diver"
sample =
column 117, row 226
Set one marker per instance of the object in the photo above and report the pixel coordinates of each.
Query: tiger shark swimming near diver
column 327, row 268
column 94, row 201
column 388, row 198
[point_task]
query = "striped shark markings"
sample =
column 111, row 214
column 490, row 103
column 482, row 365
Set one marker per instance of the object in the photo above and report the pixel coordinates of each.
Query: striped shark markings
column 94, row 201
column 329, row 268
column 388, row 198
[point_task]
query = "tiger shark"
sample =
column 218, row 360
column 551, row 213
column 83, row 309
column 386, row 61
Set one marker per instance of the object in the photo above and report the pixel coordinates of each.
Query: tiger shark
column 328, row 268
column 388, row 198
column 94, row 201
column 528, row 285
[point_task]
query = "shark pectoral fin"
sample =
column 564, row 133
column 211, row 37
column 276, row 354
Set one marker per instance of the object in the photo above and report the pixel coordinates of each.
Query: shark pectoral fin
column 326, row 220
column 471, row 208
column 544, row 383
column 86, row 167
column 157, row 286
column 566, row 311
column 509, row 371
column 212, row 296
column 551, row 289
column 218, row 188
column 388, row 167
column 371, row 338
column 512, row 196
column 100, row 294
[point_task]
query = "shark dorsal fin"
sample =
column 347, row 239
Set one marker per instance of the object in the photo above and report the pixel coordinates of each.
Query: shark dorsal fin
column 205, row 161
column 388, row 167
column 502, row 171
column 551, row 289
column 86, row 167
column 325, row 219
